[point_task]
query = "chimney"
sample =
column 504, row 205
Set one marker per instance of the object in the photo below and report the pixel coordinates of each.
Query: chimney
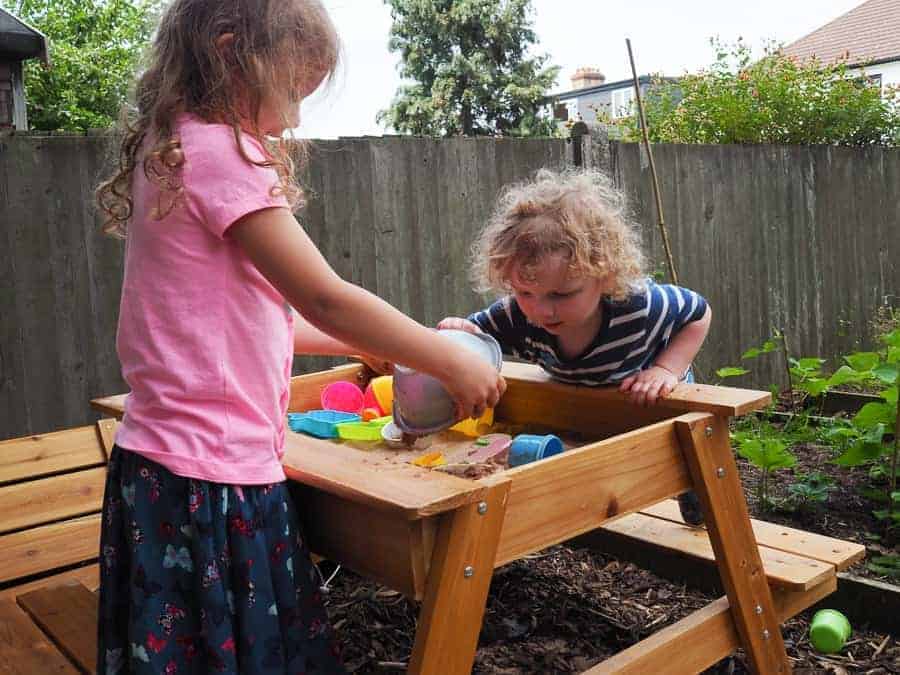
column 587, row 77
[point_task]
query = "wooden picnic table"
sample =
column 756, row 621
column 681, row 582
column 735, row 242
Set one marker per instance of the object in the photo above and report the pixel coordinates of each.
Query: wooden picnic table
column 438, row 537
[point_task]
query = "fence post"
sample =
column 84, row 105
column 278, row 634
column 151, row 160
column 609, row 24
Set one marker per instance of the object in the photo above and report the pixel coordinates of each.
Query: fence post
column 577, row 134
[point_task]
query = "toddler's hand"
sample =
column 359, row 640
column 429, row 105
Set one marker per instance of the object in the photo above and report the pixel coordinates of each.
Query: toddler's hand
column 646, row 387
column 476, row 385
column 455, row 323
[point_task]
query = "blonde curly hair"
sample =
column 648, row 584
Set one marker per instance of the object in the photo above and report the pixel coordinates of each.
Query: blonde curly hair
column 578, row 213
column 278, row 46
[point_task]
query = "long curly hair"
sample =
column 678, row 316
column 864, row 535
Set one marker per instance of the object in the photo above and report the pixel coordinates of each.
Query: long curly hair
column 280, row 49
column 577, row 213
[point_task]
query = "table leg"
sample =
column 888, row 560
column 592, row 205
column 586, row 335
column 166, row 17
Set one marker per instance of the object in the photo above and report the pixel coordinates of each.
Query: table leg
column 458, row 581
column 707, row 451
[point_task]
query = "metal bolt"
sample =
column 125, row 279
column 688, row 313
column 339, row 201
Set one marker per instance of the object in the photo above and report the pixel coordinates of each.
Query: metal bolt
column 709, row 431
column 468, row 571
column 757, row 609
column 765, row 634
column 482, row 508
column 720, row 472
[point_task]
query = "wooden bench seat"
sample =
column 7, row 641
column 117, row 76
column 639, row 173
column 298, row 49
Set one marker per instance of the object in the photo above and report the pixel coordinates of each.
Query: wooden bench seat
column 793, row 559
column 51, row 494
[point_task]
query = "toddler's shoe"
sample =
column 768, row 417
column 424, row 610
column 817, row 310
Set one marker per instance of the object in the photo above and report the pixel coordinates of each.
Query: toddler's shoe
column 691, row 511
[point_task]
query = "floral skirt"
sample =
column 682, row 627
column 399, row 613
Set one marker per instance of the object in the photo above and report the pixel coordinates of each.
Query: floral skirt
column 202, row 577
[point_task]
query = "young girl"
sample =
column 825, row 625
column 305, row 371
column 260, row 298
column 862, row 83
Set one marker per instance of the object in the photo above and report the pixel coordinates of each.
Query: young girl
column 576, row 301
column 202, row 565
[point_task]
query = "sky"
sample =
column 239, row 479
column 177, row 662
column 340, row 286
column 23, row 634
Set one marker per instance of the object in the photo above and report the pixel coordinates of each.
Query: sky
column 667, row 37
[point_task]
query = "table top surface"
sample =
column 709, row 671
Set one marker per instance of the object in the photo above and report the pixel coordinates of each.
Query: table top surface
column 374, row 474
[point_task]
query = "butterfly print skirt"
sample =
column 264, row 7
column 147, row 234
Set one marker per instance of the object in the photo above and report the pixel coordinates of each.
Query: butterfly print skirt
column 201, row 577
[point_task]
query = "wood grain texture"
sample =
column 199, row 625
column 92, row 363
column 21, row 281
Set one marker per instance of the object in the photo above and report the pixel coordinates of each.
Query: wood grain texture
column 67, row 613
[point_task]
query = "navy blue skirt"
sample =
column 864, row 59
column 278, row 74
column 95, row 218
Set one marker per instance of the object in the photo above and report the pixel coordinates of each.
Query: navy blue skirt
column 202, row 577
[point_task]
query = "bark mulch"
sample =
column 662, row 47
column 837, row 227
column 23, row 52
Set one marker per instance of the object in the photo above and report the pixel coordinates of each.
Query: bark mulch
column 562, row 611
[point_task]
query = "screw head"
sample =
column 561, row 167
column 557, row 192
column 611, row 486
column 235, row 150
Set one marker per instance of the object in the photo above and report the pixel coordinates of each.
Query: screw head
column 757, row 609
column 709, row 431
column 765, row 634
column 720, row 472
column 482, row 508
column 468, row 571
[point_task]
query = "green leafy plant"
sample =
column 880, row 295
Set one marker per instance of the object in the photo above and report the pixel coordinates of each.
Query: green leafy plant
column 887, row 565
column 767, row 454
column 94, row 48
column 810, row 489
column 778, row 99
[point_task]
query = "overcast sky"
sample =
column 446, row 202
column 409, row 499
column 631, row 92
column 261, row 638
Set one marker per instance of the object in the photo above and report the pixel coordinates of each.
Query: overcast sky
column 667, row 37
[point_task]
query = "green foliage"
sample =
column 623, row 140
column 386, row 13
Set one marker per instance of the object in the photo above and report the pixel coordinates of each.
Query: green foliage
column 94, row 48
column 467, row 69
column 810, row 489
column 773, row 99
column 767, row 454
column 887, row 565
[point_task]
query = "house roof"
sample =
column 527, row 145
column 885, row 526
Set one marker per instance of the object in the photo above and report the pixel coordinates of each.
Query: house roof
column 869, row 33
column 20, row 40
column 606, row 86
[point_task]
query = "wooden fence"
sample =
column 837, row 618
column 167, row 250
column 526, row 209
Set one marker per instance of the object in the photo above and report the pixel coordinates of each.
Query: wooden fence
column 800, row 239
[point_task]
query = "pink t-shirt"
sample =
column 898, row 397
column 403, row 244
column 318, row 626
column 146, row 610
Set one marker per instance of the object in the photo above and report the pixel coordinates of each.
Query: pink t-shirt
column 205, row 341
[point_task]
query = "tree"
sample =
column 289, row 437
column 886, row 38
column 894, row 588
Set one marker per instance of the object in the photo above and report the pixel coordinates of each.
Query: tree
column 775, row 99
column 469, row 69
column 94, row 48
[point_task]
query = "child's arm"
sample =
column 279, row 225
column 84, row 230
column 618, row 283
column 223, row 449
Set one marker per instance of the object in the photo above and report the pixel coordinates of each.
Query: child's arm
column 658, row 381
column 287, row 257
column 310, row 340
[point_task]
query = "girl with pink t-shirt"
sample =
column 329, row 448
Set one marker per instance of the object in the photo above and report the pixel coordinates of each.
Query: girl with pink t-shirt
column 202, row 564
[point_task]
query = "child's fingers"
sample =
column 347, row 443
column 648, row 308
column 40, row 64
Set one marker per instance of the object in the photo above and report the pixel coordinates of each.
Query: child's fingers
column 627, row 382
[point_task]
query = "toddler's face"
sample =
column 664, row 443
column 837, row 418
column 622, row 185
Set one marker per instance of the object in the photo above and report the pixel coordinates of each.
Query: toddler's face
column 553, row 298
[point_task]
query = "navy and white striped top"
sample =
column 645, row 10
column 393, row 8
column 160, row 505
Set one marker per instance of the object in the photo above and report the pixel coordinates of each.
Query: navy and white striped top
column 631, row 336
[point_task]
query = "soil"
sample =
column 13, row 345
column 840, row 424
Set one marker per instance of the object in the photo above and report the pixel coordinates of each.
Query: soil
column 562, row 611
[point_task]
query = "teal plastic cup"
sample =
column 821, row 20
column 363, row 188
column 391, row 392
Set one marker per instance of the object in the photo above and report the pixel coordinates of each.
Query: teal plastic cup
column 829, row 631
column 526, row 448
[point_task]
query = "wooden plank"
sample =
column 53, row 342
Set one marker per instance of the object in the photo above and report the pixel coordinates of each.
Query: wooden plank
column 724, row 401
column 458, row 582
column 595, row 412
column 560, row 497
column 704, row 439
column 48, row 499
column 49, row 547
column 24, row 650
column 701, row 639
column 67, row 613
column 787, row 570
column 89, row 576
column 43, row 454
column 107, row 430
column 354, row 474
column 841, row 554
column 382, row 550
column 306, row 390
column 114, row 406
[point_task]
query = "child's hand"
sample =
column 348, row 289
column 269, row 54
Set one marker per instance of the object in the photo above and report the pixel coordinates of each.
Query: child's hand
column 455, row 323
column 645, row 387
column 476, row 386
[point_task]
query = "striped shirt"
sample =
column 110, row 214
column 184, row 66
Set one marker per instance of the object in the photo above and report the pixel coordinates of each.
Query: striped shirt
column 632, row 334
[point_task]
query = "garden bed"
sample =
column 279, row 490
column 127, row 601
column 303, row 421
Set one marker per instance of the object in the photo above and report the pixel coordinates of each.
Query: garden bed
column 564, row 610
column 846, row 514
